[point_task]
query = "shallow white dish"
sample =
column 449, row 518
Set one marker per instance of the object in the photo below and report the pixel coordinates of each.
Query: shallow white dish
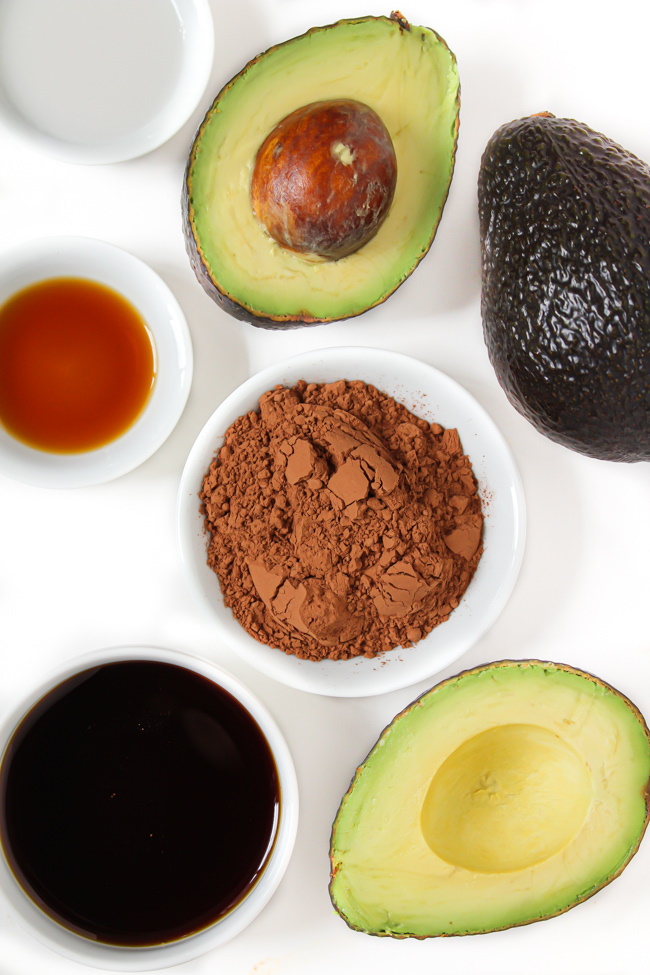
column 102, row 81
column 83, row 257
column 14, row 900
column 434, row 396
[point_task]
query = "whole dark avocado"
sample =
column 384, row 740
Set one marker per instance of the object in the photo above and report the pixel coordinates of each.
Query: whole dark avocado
column 565, row 238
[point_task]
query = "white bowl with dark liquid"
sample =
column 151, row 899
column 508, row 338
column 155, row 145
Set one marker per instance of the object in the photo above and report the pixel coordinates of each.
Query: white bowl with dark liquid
column 148, row 809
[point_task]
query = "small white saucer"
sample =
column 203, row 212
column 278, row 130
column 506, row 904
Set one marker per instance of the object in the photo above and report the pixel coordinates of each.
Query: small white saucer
column 104, row 81
column 84, row 257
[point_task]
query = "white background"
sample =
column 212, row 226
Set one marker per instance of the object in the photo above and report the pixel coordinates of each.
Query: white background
column 100, row 566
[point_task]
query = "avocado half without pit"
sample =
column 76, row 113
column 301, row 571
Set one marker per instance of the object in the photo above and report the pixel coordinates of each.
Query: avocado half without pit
column 505, row 795
column 318, row 177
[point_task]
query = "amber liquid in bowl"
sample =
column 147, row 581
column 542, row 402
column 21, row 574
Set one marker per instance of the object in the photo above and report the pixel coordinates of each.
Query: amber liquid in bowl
column 139, row 803
column 77, row 365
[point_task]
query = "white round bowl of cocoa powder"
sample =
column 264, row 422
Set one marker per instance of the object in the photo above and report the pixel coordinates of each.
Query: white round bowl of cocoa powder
column 352, row 519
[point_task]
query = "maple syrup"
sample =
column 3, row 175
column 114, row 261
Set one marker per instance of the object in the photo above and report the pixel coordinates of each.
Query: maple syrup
column 77, row 365
column 139, row 802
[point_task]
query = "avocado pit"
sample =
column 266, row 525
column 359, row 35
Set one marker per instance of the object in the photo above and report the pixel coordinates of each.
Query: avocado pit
column 324, row 178
column 506, row 799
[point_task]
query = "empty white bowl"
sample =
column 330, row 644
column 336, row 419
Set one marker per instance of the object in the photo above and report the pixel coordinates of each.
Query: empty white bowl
column 15, row 901
column 433, row 396
column 102, row 81
column 82, row 257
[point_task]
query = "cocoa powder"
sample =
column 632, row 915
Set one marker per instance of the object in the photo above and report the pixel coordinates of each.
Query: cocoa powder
column 339, row 523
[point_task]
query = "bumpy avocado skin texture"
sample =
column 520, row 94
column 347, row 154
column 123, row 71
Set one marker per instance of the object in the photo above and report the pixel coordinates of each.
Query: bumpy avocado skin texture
column 565, row 223
column 435, row 135
column 387, row 880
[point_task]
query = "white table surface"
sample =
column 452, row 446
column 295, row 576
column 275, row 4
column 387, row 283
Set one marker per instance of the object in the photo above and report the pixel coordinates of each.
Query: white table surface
column 96, row 567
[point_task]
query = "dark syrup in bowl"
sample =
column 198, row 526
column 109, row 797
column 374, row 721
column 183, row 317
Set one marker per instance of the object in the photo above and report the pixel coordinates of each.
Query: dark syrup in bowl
column 139, row 803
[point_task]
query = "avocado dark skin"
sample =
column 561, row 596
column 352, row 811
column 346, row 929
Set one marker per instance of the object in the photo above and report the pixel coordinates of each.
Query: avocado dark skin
column 565, row 229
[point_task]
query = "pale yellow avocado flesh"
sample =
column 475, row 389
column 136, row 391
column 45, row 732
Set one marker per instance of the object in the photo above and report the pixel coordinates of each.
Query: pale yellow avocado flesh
column 409, row 77
column 503, row 796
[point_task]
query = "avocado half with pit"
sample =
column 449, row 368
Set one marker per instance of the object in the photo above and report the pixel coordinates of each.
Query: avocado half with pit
column 361, row 119
column 505, row 795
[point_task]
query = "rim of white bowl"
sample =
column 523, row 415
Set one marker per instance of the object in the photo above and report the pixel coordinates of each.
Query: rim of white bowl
column 97, row 260
column 197, row 39
column 500, row 487
column 116, row 958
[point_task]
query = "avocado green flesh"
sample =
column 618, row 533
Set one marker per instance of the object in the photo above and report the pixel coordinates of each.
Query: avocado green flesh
column 409, row 77
column 503, row 796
